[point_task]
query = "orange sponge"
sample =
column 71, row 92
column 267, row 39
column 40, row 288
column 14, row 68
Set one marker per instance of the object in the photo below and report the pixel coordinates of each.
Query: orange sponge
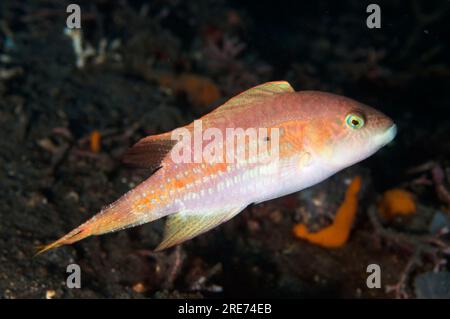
column 95, row 141
column 200, row 90
column 337, row 233
column 397, row 202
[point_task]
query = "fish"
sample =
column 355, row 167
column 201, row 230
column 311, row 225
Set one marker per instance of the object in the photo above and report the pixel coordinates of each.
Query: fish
column 313, row 134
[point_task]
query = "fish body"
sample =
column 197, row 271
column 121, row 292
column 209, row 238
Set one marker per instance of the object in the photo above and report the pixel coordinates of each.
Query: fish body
column 317, row 135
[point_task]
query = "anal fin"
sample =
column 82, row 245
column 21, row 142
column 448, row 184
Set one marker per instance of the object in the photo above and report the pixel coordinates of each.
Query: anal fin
column 186, row 225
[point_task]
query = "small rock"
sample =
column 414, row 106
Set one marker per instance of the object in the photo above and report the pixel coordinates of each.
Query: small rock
column 433, row 285
column 253, row 226
column 139, row 287
column 49, row 294
column 276, row 216
column 439, row 223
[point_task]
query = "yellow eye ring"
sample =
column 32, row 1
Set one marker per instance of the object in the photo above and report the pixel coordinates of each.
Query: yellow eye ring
column 354, row 121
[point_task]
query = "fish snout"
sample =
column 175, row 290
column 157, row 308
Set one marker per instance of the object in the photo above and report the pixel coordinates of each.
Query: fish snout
column 387, row 134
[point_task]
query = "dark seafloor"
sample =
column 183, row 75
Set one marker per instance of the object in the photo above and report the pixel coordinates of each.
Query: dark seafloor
column 154, row 66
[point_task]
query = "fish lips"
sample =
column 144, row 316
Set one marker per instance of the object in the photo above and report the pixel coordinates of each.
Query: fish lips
column 387, row 136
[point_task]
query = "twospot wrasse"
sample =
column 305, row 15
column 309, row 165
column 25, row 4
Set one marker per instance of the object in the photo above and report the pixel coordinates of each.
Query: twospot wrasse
column 318, row 134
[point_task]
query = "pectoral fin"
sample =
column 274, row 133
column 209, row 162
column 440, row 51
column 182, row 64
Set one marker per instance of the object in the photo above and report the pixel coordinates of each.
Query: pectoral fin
column 186, row 225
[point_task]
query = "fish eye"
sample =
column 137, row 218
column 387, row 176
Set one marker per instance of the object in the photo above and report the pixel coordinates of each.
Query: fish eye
column 354, row 121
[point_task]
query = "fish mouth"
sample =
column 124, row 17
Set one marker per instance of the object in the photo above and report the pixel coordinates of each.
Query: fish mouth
column 387, row 136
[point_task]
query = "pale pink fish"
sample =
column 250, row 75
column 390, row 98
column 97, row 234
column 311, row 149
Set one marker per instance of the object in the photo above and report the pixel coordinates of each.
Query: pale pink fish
column 319, row 135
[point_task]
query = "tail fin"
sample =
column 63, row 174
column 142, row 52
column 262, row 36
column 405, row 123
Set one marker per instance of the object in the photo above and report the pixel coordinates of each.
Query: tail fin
column 75, row 235
column 119, row 215
column 124, row 213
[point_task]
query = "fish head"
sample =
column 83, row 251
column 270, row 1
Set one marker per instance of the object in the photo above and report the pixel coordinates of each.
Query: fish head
column 343, row 131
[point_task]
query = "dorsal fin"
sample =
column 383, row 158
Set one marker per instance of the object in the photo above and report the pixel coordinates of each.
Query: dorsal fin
column 149, row 151
column 259, row 92
column 183, row 226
